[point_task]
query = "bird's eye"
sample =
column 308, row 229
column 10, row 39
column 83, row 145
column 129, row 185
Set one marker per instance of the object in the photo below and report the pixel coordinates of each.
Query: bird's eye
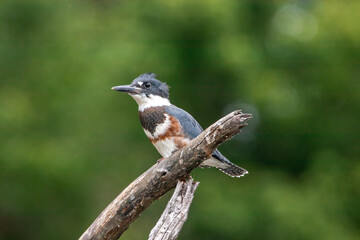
column 147, row 84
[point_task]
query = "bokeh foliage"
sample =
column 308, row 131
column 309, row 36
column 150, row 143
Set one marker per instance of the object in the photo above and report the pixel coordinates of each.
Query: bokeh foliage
column 69, row 145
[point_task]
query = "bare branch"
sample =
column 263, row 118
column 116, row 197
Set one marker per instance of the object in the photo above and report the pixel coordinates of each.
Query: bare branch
column 176, row 212
column 162, row 177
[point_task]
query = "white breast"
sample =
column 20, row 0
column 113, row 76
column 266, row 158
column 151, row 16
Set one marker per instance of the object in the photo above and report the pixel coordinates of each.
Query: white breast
column 165, row 147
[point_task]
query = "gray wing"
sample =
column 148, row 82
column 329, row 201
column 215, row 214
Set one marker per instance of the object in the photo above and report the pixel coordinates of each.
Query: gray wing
column 190, row 126
column 192, row 129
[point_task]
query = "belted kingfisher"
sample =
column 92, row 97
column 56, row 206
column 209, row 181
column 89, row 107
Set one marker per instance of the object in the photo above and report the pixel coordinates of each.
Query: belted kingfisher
column 168, row 127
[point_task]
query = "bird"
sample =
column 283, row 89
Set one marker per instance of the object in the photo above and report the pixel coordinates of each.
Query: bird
column 168, row 127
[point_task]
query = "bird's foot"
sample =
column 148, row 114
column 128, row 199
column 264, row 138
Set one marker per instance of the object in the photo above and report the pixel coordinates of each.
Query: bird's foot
column 159, row 160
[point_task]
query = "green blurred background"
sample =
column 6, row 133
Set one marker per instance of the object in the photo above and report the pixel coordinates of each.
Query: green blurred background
column 69, row 145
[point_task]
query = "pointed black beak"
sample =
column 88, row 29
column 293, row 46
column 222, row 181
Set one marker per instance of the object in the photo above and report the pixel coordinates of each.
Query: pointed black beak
column 127, row 89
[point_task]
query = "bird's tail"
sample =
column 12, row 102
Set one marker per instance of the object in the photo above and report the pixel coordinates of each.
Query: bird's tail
column 223, row 164
column 234, row 171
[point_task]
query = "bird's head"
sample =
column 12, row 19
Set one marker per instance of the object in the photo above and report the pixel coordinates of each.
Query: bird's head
column 147, row 91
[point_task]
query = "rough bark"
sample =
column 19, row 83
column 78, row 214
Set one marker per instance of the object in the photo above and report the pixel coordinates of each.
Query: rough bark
column 176, row 212
column 162, row 177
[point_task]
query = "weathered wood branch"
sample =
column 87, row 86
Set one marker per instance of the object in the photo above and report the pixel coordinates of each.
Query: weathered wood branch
column 162, row 177
column 176, row 212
